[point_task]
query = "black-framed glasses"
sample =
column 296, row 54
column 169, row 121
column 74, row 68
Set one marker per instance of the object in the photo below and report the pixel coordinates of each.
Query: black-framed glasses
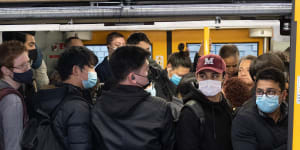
column 268, row 92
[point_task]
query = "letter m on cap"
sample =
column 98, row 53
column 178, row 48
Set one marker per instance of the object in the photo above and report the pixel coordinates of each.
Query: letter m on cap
column 209, row 61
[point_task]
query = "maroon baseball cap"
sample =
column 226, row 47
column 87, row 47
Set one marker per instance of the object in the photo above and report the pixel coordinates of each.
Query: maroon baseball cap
column 211, row 62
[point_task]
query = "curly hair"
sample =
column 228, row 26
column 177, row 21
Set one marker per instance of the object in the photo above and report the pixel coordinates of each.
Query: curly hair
column 236, row 91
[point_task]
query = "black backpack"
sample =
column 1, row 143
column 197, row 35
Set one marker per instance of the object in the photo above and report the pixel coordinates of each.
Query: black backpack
column 39, row 133
column 198, row 111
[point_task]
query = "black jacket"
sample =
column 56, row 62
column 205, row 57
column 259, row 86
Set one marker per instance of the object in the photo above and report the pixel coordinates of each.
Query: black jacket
column 72, row 121
column 128, row 118
column 216, row 135
column 104, row 71
column 254, row 130
column 165, row 88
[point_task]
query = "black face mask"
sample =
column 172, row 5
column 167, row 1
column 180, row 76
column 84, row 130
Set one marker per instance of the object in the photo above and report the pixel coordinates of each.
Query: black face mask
column 25, row 77
column 32, row 54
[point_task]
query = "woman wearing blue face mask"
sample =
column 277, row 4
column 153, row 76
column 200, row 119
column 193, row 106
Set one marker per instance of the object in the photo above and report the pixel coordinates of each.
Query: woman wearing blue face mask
column 178, row 65
column 264, row 125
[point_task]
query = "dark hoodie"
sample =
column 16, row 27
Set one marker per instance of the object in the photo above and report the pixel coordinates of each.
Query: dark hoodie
column 72, row 121
column 128, row 118
column 217, row 126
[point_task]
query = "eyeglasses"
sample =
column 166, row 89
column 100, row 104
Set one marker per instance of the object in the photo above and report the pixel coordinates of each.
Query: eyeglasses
column 24, row 66
column 268, row 92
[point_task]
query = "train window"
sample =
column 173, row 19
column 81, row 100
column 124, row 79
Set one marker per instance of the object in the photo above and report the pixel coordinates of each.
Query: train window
column 101, row 51
column 244, row 48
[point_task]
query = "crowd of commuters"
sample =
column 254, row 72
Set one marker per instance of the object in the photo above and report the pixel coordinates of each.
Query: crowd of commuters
column 220, row 102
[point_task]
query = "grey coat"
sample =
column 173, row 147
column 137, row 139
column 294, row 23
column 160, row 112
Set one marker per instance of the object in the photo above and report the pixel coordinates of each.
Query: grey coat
column 11, row 120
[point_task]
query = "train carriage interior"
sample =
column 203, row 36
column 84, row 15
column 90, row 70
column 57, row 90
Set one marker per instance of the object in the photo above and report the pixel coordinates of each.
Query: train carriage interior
column 247, row 23
column 256, row 27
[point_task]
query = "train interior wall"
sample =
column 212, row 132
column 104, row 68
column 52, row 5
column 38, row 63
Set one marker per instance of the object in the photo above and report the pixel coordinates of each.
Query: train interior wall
column 51, row 42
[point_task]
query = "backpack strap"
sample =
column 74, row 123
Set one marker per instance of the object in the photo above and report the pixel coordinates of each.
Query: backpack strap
column 6, row 91
column 198, row 111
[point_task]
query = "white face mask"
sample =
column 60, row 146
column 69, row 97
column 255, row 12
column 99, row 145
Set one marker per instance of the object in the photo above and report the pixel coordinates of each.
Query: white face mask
column 210, row 87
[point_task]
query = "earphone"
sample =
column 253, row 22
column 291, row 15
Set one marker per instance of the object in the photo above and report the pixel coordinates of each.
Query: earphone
column 132, row 77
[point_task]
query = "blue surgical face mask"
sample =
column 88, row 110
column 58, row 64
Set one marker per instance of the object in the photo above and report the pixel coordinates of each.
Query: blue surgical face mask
column 175, row 79
column 25, row 77
column 267, row 104
column 91, row 82
column 151, row 90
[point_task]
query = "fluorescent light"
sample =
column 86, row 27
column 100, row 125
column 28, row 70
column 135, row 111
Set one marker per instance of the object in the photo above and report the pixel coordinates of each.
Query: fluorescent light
column 225, row 24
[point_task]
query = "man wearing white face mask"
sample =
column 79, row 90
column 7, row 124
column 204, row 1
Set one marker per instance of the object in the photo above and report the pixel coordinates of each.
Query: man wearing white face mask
column 213, row 133
column 265, row 125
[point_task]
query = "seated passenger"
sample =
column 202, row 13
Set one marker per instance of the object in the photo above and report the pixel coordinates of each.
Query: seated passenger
column 230, row 54
column 127, row 117
column 15, row 70
column 114, row 40
column 72, row 121
column 265, row 125
column 214, row 133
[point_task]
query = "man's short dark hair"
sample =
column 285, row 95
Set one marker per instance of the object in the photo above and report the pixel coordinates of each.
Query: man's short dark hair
column 111, row 36
column 273, row 74
column 76, row 56
column 180, row 59
column 68, row 40
column 16, row 35
column 127, row 59
column 138, row 37
column 264, row 61
column 229, row 50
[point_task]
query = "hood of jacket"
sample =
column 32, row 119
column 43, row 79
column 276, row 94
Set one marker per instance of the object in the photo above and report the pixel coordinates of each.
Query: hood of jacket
column 121, row 100
column 4, row 84
column 48, row 98
column 214, row 112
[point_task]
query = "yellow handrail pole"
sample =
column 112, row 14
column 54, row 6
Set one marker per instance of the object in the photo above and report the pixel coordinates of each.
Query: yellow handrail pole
column 206, row 40
column 294, row 101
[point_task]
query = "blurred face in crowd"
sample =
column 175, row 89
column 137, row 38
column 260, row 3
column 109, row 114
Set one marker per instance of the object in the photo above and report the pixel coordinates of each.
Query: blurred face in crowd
column 115, row 43
column 231, row 65
column 243, row 73
column 209, row 75
column 30, row 42
column 85, row 70
column 144, row 45
column 21, row 63
column 141, row 76
column 210, row 84
column 180, row 71
column 270, row 89
column 75, row 42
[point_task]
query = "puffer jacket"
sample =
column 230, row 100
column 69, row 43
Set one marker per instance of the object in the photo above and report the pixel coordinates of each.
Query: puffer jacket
column 72, row 121
column 128, row 118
